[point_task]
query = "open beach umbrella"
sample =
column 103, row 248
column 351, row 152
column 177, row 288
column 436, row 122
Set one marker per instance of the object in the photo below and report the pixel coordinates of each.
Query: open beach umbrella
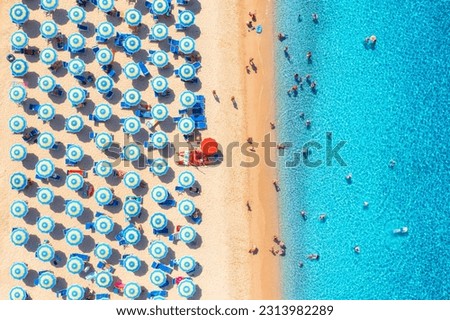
column 18, row 270
column 76, row 42
column 160, row 31
column 74, row 208
column 47, row 83
column 158, row 221
column 188, row 99
column 103, row 112
column 186, row 207
column 102, row 251
column 158, row 278
column 187, row 45
column 46, row 140
column 74, row 123
column 103, row 224
column 160, row 59
column 45, row 252
column 159, row 167
column 131, row 70
column 186, row 288
column 132, row 44
column 46, row 112
column 187, row 72
column 186, row 125
column 45, row 168
column 186, row 179
column 18, row 208
column 104, row 84
column 18, row 152
column 19, row 39
column 76, row 67
column 49, row 5
column 159, row 139
column 104, row 279
column 76, row 96
column 74, row 153
column 103, row 196
column 132, row 125
column 74, row 181
column 160, row 112
column 48, row 56
column 47, row 280
column 132, row 208
column 18, row 181
column 131, row 263
column 159, row 84
column 132, row 97
column 187, row 234
column 45, row 224
column 160, row 7
column 75, row 292
column 159, row 194
column 17, row 94
column 18, row 293
column 132, row 290
column 103, row 140
column 74, row 236
column 19, row 237
column 187, row 264
column 106, row 30
column 132, row 179
column 158, row 249
column 76, row 14
column 45, row 195
column 133, row 17
column 105, row 5
column 75, row 265
column 131, row 152
column 48, row 29
column 19, row 68
column 104, row 56
column 186, row 18
column 104, row 168
column 19, row 13
column 131, row 235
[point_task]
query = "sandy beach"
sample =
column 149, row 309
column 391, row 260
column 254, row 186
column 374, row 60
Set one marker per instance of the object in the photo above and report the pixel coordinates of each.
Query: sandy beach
column 228, row 229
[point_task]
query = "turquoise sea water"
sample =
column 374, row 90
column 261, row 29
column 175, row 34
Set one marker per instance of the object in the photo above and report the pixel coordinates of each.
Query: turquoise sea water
column 391, row 102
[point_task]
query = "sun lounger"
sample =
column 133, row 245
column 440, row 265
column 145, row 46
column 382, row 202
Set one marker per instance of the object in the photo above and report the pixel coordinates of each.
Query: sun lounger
column 143, row 114
column 201, row 125
column 81, row 79
column 179, row 189
column 197, row 65
column 173, row 263
column 196, row 220
column 82, row 256
column 176, row 72
column 58, row 91
column 162, row 267
column 174, row 237
column 95, row 49
column 102, row 296
column 176, row 119
column 82, row 173
column 143, row 68
column 125, row 105
column 34, row 107
column 122, row 121
column 91, row 276
column 179, row 27
column 182, row 2
column 198, row 118
column 113, row 203
column 152, row 294
column 94, row 118
column 200, row 99
column 82, row 28
column 92, row 135
column 136, row 198
column 197, row 111
column 61, row 293
column 109, row 94
column 100, row 39
column 168, row 203
column 158, row 232
column 89, row 226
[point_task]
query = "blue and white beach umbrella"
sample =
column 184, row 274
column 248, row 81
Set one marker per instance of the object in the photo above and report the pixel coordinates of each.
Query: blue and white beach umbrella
column 74, row 237
column 76, row 14
column 186, row 288
column 186, row 18
column 45, row 224
column 18, row 152
column 75, row 265
column 75, row 292
column 103, row 224
column 104, row 84
column 132, row 44
column 76, row 42
column 18, row 181
column 19, row 39
column 104, row 279
column 159, row 140
column 17, row 293
column 187, row 264
column 131, row 152
column 19, row 13
column 19, row 68
column 18, row 270
column 47, row 83
column 17, row 124
column 132, row 290
column 160, row 7
column 76, row 67
column 186, row 179
column 49, row 5
column 74, row 208
column 131, row 263
column 17, row 94
column 132, row 125
column 131, row 235
column 188, row 99
column 187, row 234
column 132, row 71
column 103, row 112
column 46, row 112
column 74, row 181
column 45, row 252
column 103, row 140
column 48, row 29
column 133, row 17
column 19, row 237
column 46, row 140
column 106, row 30
column 104, row 56
column 48, row 56
column 159, row 194
column 102, row 251
column 105, row 5
column 158, row 221
column 132, row 97
column 74, row 153
column 76, row 96
column 187, row 72
column 104, row 168
column 186, row 207
column 160, row 112
column 18, row 208
column 158, row 249
column 158, row 278
column 103, row 196
column 159, row 84
column 131, row 179
column 187, row 45
column 74, row 123
column 45, row 168
column 186, row 125
column 45, row 195
column 160, row 59
column 132, row 208
column 47, row 280
column 160, row 31
column 159, row 167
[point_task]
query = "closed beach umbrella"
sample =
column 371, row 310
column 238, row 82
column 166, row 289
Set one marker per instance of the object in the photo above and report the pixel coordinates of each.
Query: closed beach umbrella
column 18, row 152
column 133, row 17
column 19, row 39
column 159, row 167
column 132, row 44
column 186, row 18
column 74, row 181
column 132, row 208
column 132, row 290
column 75, row 292
column 46, row 112
column 158, row 249
column 19, row 237
column 74, row 208
column 132, row 71
column 160, row 7
column 160, row 112
column 45, row 195
column 19, row 68
column 186, row 288
column 45, row 224
column 103, row 140
column 159, row 194
column 19, row 13
column 47, row 280
column 18, row 208
column 131, row 235
column 105, row 5
column 132, row 179
column 186, row 207
column 74, row 123
column 102, row 251
column 75, row 265
column 103, row 224
column 76, row 67
column 160, row 59
column 17, row 293
column 187, row 45
column 104, row 168
column 160, row 31
column 187, row 234
column 46, row 140
column 188, row 99
column 103, row 112
column 104, row 56
column 132, row 97
column 74, row 237
column 18, row 270
column 103, row 196
column 106, row 30
column 132, row 125
column 104, row 84
column 76, row 96
column 45, row 252
column 48, row 56
column 159, row 84
column 104, row 279
column 18, row 181
column 187, row 264
column 49, row 5
column 45, row 168
column 186, row 125
column 131, row 152
column 158, row 221
column 159, row 140
column 74, row 153
column 48, row 29
column 47, row 83
column 131, row 263
column 187, row 72
column 17, row 94
column 76, row 14
column 186, row 179
column 76, row 41
column 158, row 278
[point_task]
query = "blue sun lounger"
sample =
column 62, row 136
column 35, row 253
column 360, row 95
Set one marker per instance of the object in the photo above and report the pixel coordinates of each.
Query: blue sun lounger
column 143, row 114
column 158, row 232
column 125, row 105
column 90, row 226
column 201, row 125
column 94, row 118
column 61, row 293
column 179, row 27
column 143, row 68
column 162, row 267
column 174, row 237
column 82, row 256
column 113, row 203
column 82, row 27
column 100, row 39
column 182, row 2
column 152, row 294
column 102, row 296
column 91, row 276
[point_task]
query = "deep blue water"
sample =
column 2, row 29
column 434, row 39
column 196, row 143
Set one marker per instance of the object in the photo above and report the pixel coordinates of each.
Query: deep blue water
column 390, row 102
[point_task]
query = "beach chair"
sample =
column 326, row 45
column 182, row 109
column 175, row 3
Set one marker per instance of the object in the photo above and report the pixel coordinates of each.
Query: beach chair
column 182, row 2
column 81, row 79
column 197, row 65
column 174, row 237
column 201, row 125
column 152, row 294
column 174, row 49
column 173, row 263
column 95, row 49
column 58, row 91
column 61, row 293
column 102, row 296
column 200, row 99
column 176, row 72
column 143, row 68
column 82, row 27
column 179, row 27
column 176, row 119
column 109, row 94
column 90, row 226
column 196, row 220
column 152, row 39
column 158, row 232
column 82, row 173
column 113, row 203
column 124, row 105
column 34, row 107
column 182, row 112
column 179, row 189
column 198, row 118
column 100, row 39
column 143, row 114
column 122, row 121
column 162, row 267
column 91, row 276
column 93, row 118
column 92, row 135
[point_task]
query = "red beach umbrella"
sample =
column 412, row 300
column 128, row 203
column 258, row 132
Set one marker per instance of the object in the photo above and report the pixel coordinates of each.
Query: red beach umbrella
column 209, row 146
